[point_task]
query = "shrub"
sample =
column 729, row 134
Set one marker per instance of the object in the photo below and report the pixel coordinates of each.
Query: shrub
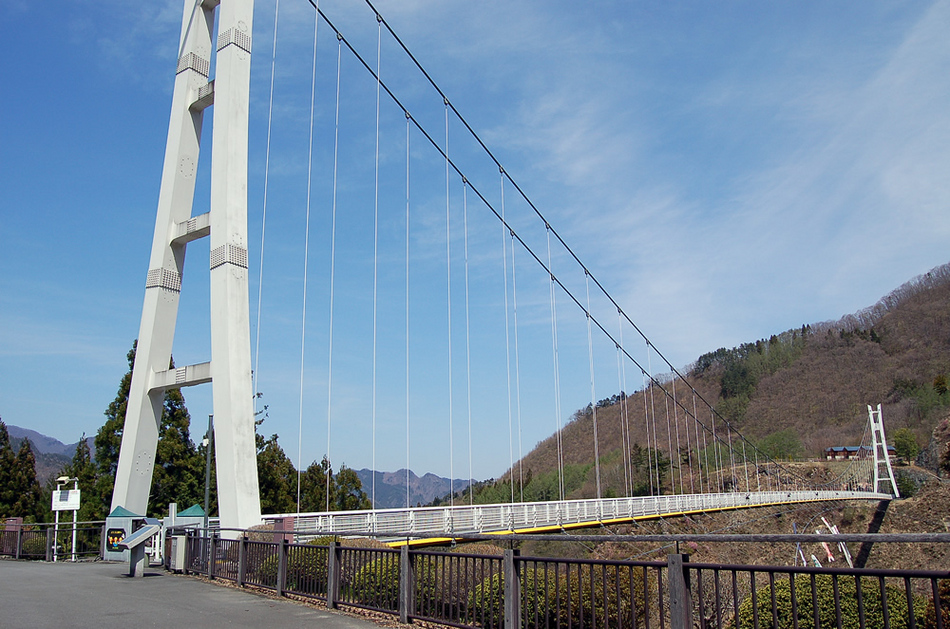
column 930, row 616
column 33, row 545
column 608, row 596
column 377, row 583
column 486, row 602
column 306, row 569
column 824, row 588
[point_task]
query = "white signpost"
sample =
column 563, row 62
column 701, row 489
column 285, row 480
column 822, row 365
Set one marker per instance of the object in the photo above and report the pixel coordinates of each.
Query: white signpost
column 65, row 500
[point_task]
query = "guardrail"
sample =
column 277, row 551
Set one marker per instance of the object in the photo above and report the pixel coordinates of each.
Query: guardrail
column 497, row 591
column 462, row 519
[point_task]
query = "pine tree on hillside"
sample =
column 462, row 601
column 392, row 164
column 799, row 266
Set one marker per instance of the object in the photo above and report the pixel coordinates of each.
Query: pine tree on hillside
column 7, row 469
column 28, row 494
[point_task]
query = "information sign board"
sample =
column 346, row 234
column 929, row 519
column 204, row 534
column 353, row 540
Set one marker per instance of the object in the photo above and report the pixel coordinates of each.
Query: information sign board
column 66, row 500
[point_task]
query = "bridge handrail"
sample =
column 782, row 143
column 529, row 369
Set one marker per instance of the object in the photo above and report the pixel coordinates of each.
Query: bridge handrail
column 462, row 519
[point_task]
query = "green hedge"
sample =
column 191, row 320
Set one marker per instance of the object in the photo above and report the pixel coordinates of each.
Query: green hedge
column 306, row 569
column 612, row 597
column 824, row 587
column 33, row 545
column 377, row 583
column 486, row 601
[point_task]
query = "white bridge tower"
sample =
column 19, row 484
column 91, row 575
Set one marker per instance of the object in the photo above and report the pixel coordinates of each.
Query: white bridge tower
column 229, row 370
column 882, row 460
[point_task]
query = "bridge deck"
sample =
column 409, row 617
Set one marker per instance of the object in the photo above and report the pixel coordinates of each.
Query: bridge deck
column 459, row 520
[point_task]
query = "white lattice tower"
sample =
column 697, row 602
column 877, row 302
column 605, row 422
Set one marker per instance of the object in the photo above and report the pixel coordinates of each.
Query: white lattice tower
column 882, row 461
column 229, row 370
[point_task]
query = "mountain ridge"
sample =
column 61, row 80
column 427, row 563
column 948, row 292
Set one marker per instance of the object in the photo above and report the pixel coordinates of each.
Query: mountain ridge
column 391, row 487
column 809, row 387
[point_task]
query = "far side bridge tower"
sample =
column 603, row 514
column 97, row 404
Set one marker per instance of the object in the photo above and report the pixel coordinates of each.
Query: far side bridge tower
column 229, row 370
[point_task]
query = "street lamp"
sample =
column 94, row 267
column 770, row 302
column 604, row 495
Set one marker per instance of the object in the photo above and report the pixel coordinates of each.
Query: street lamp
column 62, row 480
column 206, row 442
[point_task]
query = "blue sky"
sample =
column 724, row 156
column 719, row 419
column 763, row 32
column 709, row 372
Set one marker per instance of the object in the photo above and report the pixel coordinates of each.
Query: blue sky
column 727, row 170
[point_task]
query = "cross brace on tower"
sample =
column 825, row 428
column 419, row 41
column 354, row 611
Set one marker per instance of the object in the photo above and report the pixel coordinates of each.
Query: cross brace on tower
column 225, row 224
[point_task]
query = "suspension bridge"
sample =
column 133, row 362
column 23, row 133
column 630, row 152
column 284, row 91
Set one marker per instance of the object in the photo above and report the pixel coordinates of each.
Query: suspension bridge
column 463, row 311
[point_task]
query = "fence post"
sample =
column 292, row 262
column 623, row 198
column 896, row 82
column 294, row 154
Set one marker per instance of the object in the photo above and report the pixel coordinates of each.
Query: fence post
column 242, row 560
column 19, row 541
column 102, row 541
column 512, row 575
column 407, row 585
column 50, row 540
column 334, row 556
column 282, row 551
column 681, row 606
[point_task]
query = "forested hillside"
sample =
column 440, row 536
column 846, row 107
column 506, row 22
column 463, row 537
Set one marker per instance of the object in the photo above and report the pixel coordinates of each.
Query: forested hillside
column 793, row 394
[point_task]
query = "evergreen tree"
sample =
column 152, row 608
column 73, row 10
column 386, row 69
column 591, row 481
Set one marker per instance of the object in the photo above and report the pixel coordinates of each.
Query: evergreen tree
column 905, row 444
column 7, row 471
column 348, row 491
column 179, row 472
column 27, row 493
column 82, row 467
column 276, row 477
column 313, row 486
column 177, row 469
column 108, row 441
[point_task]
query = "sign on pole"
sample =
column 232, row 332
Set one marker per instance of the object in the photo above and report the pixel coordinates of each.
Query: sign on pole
column 66, row 500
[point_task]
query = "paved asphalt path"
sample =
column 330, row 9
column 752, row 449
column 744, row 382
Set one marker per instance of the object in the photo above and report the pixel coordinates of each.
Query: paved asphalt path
column 36, row 595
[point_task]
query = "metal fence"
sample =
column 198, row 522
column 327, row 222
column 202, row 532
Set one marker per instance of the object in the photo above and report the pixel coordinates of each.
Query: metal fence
column 498, row 591
column 46, row 542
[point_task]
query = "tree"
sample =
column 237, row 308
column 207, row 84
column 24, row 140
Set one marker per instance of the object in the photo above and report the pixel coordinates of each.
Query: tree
column 108, row 441
column 82, row 467
column 7, row 469
column 905, row 444
column 179, row 471
column 782, row 444
column 177, row 465
column 276, row 477
column 348, row 491
column 28, row 494
column 313, row 486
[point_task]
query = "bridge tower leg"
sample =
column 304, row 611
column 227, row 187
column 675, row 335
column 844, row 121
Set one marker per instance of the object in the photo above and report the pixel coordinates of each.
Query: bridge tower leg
column 882, row 461
column 226, row 224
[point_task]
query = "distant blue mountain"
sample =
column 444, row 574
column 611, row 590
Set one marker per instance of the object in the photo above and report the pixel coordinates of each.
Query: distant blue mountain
column 47, row 445
column 391, row 487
